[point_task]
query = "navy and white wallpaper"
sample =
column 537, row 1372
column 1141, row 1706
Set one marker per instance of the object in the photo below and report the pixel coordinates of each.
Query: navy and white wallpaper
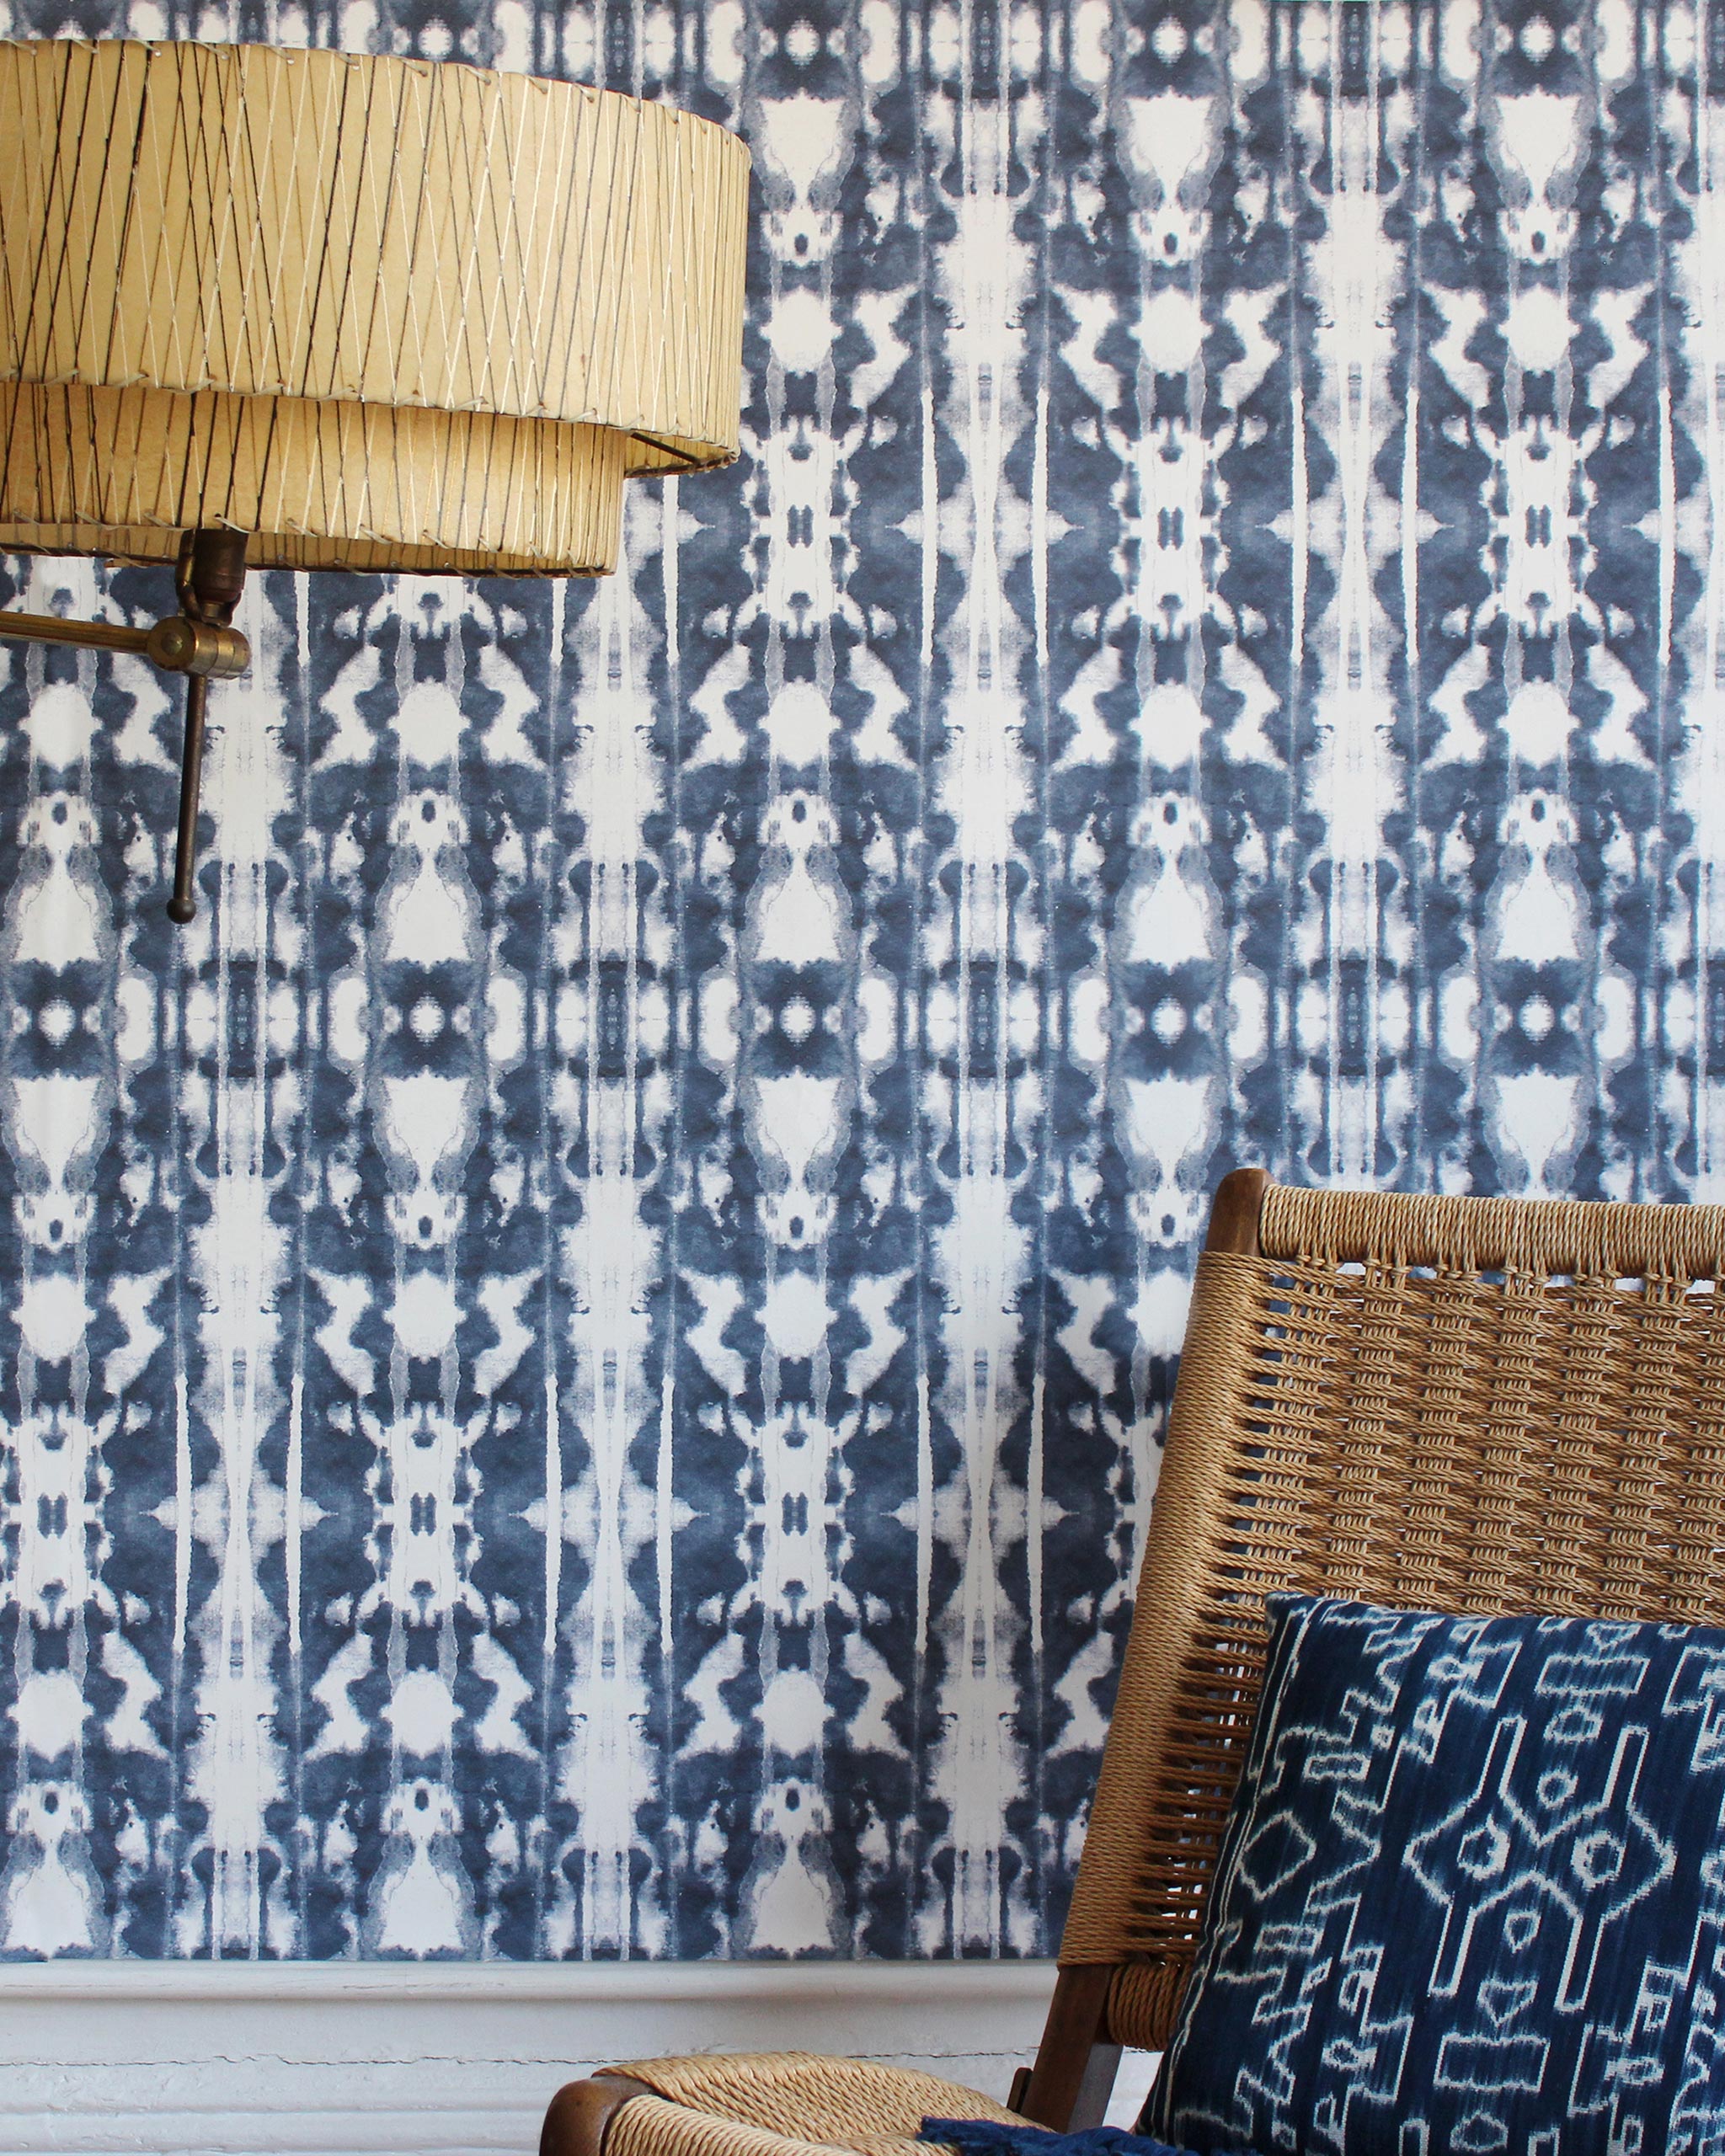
column 582, row 1360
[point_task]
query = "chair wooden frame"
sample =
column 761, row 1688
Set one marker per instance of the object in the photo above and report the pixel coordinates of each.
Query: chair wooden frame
column 1448, row 1403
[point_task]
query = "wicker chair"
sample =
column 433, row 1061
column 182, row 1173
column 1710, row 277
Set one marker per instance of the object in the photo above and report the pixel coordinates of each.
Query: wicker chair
column 1446, row 1403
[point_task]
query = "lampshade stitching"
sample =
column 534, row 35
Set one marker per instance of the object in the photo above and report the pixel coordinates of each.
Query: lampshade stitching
column 723, row 359
column 687, row 255
column 243, row 477
column 270, row 242
column 22, row 331
column 409, row 515
column 445, row 241
column 724, row 355
column 714, row 204
column 403, row 476
column 256, row 319
column 599, row 357
column 527, row 188
column 198, row 216
column 645, row 371
column 575, row 129
column 197, row 456
column 626, row 250
column 166, row 262
column 478, row 320
column 71, row 302
column 38, row 350
column 114, row 426
column 457, row 215
column 442, row 450
column 370, row 421
column 348, row 336
column 553, row 131
column 13, row 184
column 78, row 445
column 499, row 477
column 221, row 332
column 691, row 258
column 514, row 478
column 317, row 105
column 320, row 104
column 332, row 470
column 696, row 206
column 47, row 433
column 461, row 460
column 315, row 380
column 500, row 295
column 543, row 131
column 136, row 283
column 410, row 357
column 625, row 337
column 561, row 381
column 36, row 174
column 223, row 337
column 659, row 369
column 120, row 197
column 382, row 213
column 494, row 293
column 491, row 466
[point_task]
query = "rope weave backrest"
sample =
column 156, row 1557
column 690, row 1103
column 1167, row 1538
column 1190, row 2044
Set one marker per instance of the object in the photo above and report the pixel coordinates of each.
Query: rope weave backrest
column 1454, row 1404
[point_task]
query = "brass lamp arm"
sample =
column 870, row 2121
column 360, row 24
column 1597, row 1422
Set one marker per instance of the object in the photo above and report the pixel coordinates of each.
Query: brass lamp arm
column 175, row 644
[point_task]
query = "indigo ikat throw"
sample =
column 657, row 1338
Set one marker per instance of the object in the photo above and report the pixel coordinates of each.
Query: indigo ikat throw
column 993, row 2137
column 1472, row 1897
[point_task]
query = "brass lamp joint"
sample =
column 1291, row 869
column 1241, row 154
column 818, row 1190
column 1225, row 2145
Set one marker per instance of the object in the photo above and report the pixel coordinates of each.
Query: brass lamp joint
column 178, row 646
column 199, row 642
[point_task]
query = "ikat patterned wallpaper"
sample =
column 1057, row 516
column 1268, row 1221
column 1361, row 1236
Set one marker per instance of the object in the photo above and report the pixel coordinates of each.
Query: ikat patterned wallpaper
column 584, row 1358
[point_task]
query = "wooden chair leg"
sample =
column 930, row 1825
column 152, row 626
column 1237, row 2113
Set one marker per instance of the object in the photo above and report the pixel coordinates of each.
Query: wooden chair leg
column 581, row 2113
column 1074, row 2075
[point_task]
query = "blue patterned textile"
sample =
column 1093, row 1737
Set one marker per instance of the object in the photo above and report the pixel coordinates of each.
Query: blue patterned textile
column 1472, row 1897
column 990, row 2137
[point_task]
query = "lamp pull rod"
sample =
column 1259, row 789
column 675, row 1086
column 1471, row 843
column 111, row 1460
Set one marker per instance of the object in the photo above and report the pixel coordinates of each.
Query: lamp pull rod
column 183, row 904
column 199, row 641
column 209, row 579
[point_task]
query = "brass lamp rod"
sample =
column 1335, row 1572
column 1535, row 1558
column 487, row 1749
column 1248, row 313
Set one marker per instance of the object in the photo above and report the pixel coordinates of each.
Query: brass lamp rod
column 199, row 641
column 175, row 644
column 88, row 636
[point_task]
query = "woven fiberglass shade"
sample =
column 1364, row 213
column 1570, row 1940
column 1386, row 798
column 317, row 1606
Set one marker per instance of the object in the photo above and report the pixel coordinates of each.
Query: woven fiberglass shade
column 376, row 313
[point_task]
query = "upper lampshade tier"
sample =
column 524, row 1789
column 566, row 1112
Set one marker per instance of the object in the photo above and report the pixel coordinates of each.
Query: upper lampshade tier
column 376, row 313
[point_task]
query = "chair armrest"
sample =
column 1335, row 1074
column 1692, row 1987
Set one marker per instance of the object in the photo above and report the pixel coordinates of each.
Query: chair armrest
column 581, row 2113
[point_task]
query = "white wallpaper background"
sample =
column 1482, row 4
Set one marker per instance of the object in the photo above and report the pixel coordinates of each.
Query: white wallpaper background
column 582, row 1360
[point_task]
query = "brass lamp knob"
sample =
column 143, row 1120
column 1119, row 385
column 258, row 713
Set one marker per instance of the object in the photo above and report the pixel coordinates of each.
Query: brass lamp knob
column 180, row 646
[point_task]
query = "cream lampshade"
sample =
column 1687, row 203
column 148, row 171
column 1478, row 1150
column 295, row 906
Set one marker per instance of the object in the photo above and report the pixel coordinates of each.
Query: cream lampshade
column 302, row 310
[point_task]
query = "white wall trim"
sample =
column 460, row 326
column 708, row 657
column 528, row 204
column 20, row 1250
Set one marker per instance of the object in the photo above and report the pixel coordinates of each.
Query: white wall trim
column 201, row 2058
column 939, row 1983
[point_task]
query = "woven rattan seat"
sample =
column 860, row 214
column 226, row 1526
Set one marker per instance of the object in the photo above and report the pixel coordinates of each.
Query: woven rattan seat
column 1446, row 1403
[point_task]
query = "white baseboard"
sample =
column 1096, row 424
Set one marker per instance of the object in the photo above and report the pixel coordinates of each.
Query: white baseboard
column 371, row 2059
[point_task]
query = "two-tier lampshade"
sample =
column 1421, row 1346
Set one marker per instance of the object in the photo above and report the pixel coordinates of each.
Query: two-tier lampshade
column 373, row 313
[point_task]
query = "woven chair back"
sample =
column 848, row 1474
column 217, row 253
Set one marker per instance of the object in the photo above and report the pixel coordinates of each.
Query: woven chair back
column 1448, row 1403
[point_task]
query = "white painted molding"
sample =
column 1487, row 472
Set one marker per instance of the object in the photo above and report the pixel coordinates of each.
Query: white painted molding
column 233, row 2058
column 905, row 1983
